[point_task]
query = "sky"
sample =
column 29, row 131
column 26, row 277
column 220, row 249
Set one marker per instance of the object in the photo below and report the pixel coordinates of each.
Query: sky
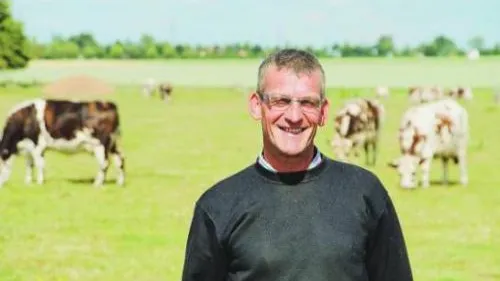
column 273, row 22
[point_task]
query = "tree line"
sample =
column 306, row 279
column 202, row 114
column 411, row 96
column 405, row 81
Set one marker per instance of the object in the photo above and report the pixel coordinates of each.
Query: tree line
column 84, row 45
column 16, row 49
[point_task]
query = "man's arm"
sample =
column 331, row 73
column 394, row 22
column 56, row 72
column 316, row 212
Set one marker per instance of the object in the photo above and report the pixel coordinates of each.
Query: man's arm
column 204, row 258
column 387, row 257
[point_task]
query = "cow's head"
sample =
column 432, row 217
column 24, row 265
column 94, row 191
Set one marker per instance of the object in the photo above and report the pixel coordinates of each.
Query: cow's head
column 465, row 93
column 406, row 166
column 411, row 143
column 341, row 147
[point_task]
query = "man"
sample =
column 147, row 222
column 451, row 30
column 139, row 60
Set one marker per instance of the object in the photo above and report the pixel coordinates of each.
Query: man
column 295, row 214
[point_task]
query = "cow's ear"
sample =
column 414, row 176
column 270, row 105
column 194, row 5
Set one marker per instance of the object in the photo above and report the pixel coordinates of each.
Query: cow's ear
column 393, row 164
column 255, row 106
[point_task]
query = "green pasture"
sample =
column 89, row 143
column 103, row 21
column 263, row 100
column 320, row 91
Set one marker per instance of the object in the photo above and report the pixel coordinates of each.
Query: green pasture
column 69, row 230
column 352, row 72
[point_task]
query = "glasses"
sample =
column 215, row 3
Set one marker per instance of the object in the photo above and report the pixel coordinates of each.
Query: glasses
column 283, row 102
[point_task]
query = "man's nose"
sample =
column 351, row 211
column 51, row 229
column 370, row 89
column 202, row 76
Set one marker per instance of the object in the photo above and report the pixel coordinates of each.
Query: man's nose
column 294, row 112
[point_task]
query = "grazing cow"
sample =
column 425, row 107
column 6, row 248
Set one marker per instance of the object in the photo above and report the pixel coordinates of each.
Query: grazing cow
column 357, row 124
column 35, row 126
column 425, row 94
column 165, row 90
column 461, row 93
column 439, row 130
column 149, row 87
column 382, row 92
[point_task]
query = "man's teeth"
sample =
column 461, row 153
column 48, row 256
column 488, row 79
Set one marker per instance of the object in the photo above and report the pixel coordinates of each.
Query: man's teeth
column 292, row 130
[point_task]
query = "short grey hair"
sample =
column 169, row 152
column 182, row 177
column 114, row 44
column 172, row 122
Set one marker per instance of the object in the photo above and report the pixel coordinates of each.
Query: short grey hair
column 299, row 61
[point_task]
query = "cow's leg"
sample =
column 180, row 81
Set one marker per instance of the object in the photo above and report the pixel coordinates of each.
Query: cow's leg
column 366, row 148
column 462, row 164
column 39, row 161
column 30, row 163
column 445, row 161
column 101, row 156
column 374, row 153
column 425, row 169
column 119, row 161
column 5, row 170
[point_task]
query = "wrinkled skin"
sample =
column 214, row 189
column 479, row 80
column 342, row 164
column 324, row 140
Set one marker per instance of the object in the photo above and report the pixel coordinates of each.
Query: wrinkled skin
column 285, row 150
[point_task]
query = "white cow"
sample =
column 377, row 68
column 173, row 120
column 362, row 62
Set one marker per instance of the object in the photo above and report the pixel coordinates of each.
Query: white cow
column 437, row 129
column 382, row 92
column 425, row 94
column 149, row 87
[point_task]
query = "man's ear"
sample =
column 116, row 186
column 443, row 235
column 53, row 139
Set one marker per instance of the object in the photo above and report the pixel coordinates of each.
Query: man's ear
column 325, row 107
column 254, row 106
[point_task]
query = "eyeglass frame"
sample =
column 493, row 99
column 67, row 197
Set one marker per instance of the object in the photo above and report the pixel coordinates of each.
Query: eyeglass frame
column 266, row 97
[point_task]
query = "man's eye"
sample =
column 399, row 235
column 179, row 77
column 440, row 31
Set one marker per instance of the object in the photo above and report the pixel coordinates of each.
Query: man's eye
column 309, row 103
column 281, row 102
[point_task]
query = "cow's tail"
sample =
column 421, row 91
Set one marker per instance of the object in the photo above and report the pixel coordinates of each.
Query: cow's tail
column 116, row 134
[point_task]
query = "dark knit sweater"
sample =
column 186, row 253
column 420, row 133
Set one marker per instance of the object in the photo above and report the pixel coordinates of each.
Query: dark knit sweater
column 333, row 222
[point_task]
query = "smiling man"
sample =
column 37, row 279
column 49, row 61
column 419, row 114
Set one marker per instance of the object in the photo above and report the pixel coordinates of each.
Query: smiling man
column 295, row 214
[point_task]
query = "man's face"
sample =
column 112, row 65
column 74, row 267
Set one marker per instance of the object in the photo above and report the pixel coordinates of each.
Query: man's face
column 288, row 127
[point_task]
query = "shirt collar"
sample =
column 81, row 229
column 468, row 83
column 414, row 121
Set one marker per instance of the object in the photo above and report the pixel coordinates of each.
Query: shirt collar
column 314, row 163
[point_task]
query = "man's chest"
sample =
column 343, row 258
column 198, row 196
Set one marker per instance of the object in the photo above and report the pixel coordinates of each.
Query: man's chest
column 278, row 237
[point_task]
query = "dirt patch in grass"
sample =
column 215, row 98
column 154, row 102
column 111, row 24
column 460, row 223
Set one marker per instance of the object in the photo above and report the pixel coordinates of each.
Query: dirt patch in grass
column 78, row 87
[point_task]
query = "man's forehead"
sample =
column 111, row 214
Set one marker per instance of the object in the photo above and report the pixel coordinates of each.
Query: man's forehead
column 273, row 69
column 290, row 81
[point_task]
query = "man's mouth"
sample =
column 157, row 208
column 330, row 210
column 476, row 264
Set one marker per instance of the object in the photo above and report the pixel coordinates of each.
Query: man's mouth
column 292, row 130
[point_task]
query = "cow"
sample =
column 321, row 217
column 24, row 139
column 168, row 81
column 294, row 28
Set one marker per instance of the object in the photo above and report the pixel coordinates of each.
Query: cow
column 425, row 94
column 165, row 90
column 35, row 126
column 357, row 124
column 435, row 130
column 461, row 93
column 149, row 87
column 381, row 92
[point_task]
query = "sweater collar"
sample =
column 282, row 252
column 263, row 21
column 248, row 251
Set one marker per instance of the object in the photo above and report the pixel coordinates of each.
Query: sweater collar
column 293, row 178
column 315, row 161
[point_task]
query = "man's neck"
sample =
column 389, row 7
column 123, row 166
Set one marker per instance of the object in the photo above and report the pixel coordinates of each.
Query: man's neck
column 282, row 163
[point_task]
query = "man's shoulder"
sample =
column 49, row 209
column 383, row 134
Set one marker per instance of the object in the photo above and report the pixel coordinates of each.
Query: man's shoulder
column 359, row 182
column 354, row 175
column 227, row 187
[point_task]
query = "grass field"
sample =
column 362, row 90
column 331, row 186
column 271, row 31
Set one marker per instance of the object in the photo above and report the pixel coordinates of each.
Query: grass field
column 353, row 72
column 68, row 230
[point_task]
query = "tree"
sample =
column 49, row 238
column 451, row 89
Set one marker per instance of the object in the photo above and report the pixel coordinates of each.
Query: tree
column 445, row 46
column 385, row 46
column 14, row 47
column 84, row 40
column 167, row 51
column 117, row 51
column 476, row 42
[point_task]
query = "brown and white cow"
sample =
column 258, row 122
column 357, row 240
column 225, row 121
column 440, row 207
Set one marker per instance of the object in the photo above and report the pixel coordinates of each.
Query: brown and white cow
column 425, row 94
column 461, row 93
column 34, row 126
column 437, row 129
column 165, row 90
column 357, row 124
